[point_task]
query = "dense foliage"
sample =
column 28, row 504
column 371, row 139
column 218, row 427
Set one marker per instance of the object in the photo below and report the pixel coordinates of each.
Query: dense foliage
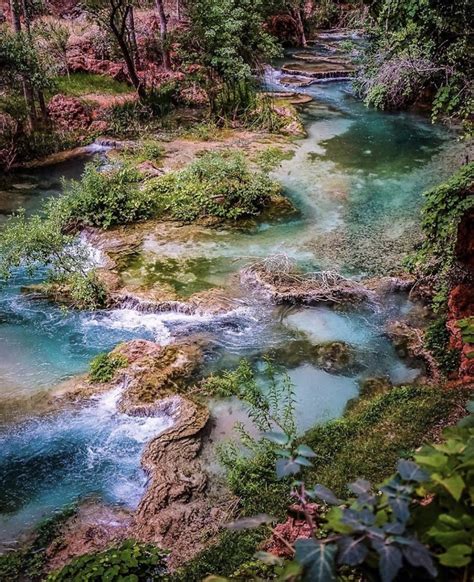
column 105, row 198
column 417, row 519
column 131, row 562
column 216, row 184
column 229, row 40
column 421, row 50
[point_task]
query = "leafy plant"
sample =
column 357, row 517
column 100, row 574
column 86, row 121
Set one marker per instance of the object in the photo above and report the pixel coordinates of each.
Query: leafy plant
column 216, row 184
column 87, row 291
column 419, row 516
column 270, row 406
column 105, row 198
column 271, row 157
column 466, row 326
column 104, row 366
column 131, row 561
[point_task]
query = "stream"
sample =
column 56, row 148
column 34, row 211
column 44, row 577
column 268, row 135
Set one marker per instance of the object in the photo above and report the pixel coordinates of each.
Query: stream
column 356, row 180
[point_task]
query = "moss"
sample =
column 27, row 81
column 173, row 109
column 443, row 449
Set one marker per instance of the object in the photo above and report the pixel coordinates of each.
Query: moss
column 437, row 342
column 373, row 434
column 104, row 366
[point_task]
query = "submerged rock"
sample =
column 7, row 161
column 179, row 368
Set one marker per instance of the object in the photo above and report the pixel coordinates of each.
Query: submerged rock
column 410, row 340
column 334, row 356
column 370, row 387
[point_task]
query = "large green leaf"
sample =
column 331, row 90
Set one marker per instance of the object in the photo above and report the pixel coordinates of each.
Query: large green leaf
column 456, row 557
column 454, row 485
column 432, row 460
column 317, row 559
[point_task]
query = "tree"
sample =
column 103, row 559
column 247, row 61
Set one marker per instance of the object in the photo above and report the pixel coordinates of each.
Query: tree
column 15, row 9
column 57, row 37
column 163, row 34
column 114, row 16
column 228, row 39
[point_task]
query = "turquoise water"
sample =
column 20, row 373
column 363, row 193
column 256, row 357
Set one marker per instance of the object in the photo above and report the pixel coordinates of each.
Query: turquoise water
column 357, row 179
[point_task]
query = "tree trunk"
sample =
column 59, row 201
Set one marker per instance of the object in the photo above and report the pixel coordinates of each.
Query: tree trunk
column 133, row 37
column 26, row 17
column 27, row 89
column 132, row 73
column 164, row 34
column 16, row 21
column 42, row 104
column 299, row 27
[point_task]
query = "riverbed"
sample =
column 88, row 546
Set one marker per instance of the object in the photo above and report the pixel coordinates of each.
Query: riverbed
column 357, row 181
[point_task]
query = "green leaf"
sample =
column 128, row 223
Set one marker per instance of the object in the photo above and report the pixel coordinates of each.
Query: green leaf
column 352, row 551
column 456, row 557
column 334, row 521
column 279, row 438
column 410, row 471
column 269, row 559
column 303, row 461
column 433, row 460
column 454, row 485
column 326, row 495
column 286, row 467
column 305, row 451
column 317, row 559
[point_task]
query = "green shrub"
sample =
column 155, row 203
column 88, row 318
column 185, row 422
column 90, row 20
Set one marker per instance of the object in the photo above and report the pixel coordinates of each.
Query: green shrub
column 104, row 366
column 87, row 291
column 105, row 198
column 131, row 562
column 28, row 563
column 271, row 157
column 217, row 184
column 129, row 118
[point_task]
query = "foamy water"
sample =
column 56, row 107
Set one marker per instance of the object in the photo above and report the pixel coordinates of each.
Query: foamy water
column 54, row 459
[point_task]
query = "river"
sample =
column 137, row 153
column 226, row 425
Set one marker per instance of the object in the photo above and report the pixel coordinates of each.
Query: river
column 356, row 179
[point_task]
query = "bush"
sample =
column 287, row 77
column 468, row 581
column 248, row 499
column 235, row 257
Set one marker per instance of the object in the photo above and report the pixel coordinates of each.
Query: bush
column 87, row 291
column 104, row 366
column 131, row 561
column 216, row 184
column 105, row 198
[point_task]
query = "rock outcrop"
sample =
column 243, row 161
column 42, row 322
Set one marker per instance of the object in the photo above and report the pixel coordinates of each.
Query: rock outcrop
column 461, row 296
column 179, row 510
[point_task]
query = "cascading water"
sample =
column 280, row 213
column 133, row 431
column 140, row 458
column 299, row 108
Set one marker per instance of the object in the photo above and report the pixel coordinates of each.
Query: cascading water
column 357, row 179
